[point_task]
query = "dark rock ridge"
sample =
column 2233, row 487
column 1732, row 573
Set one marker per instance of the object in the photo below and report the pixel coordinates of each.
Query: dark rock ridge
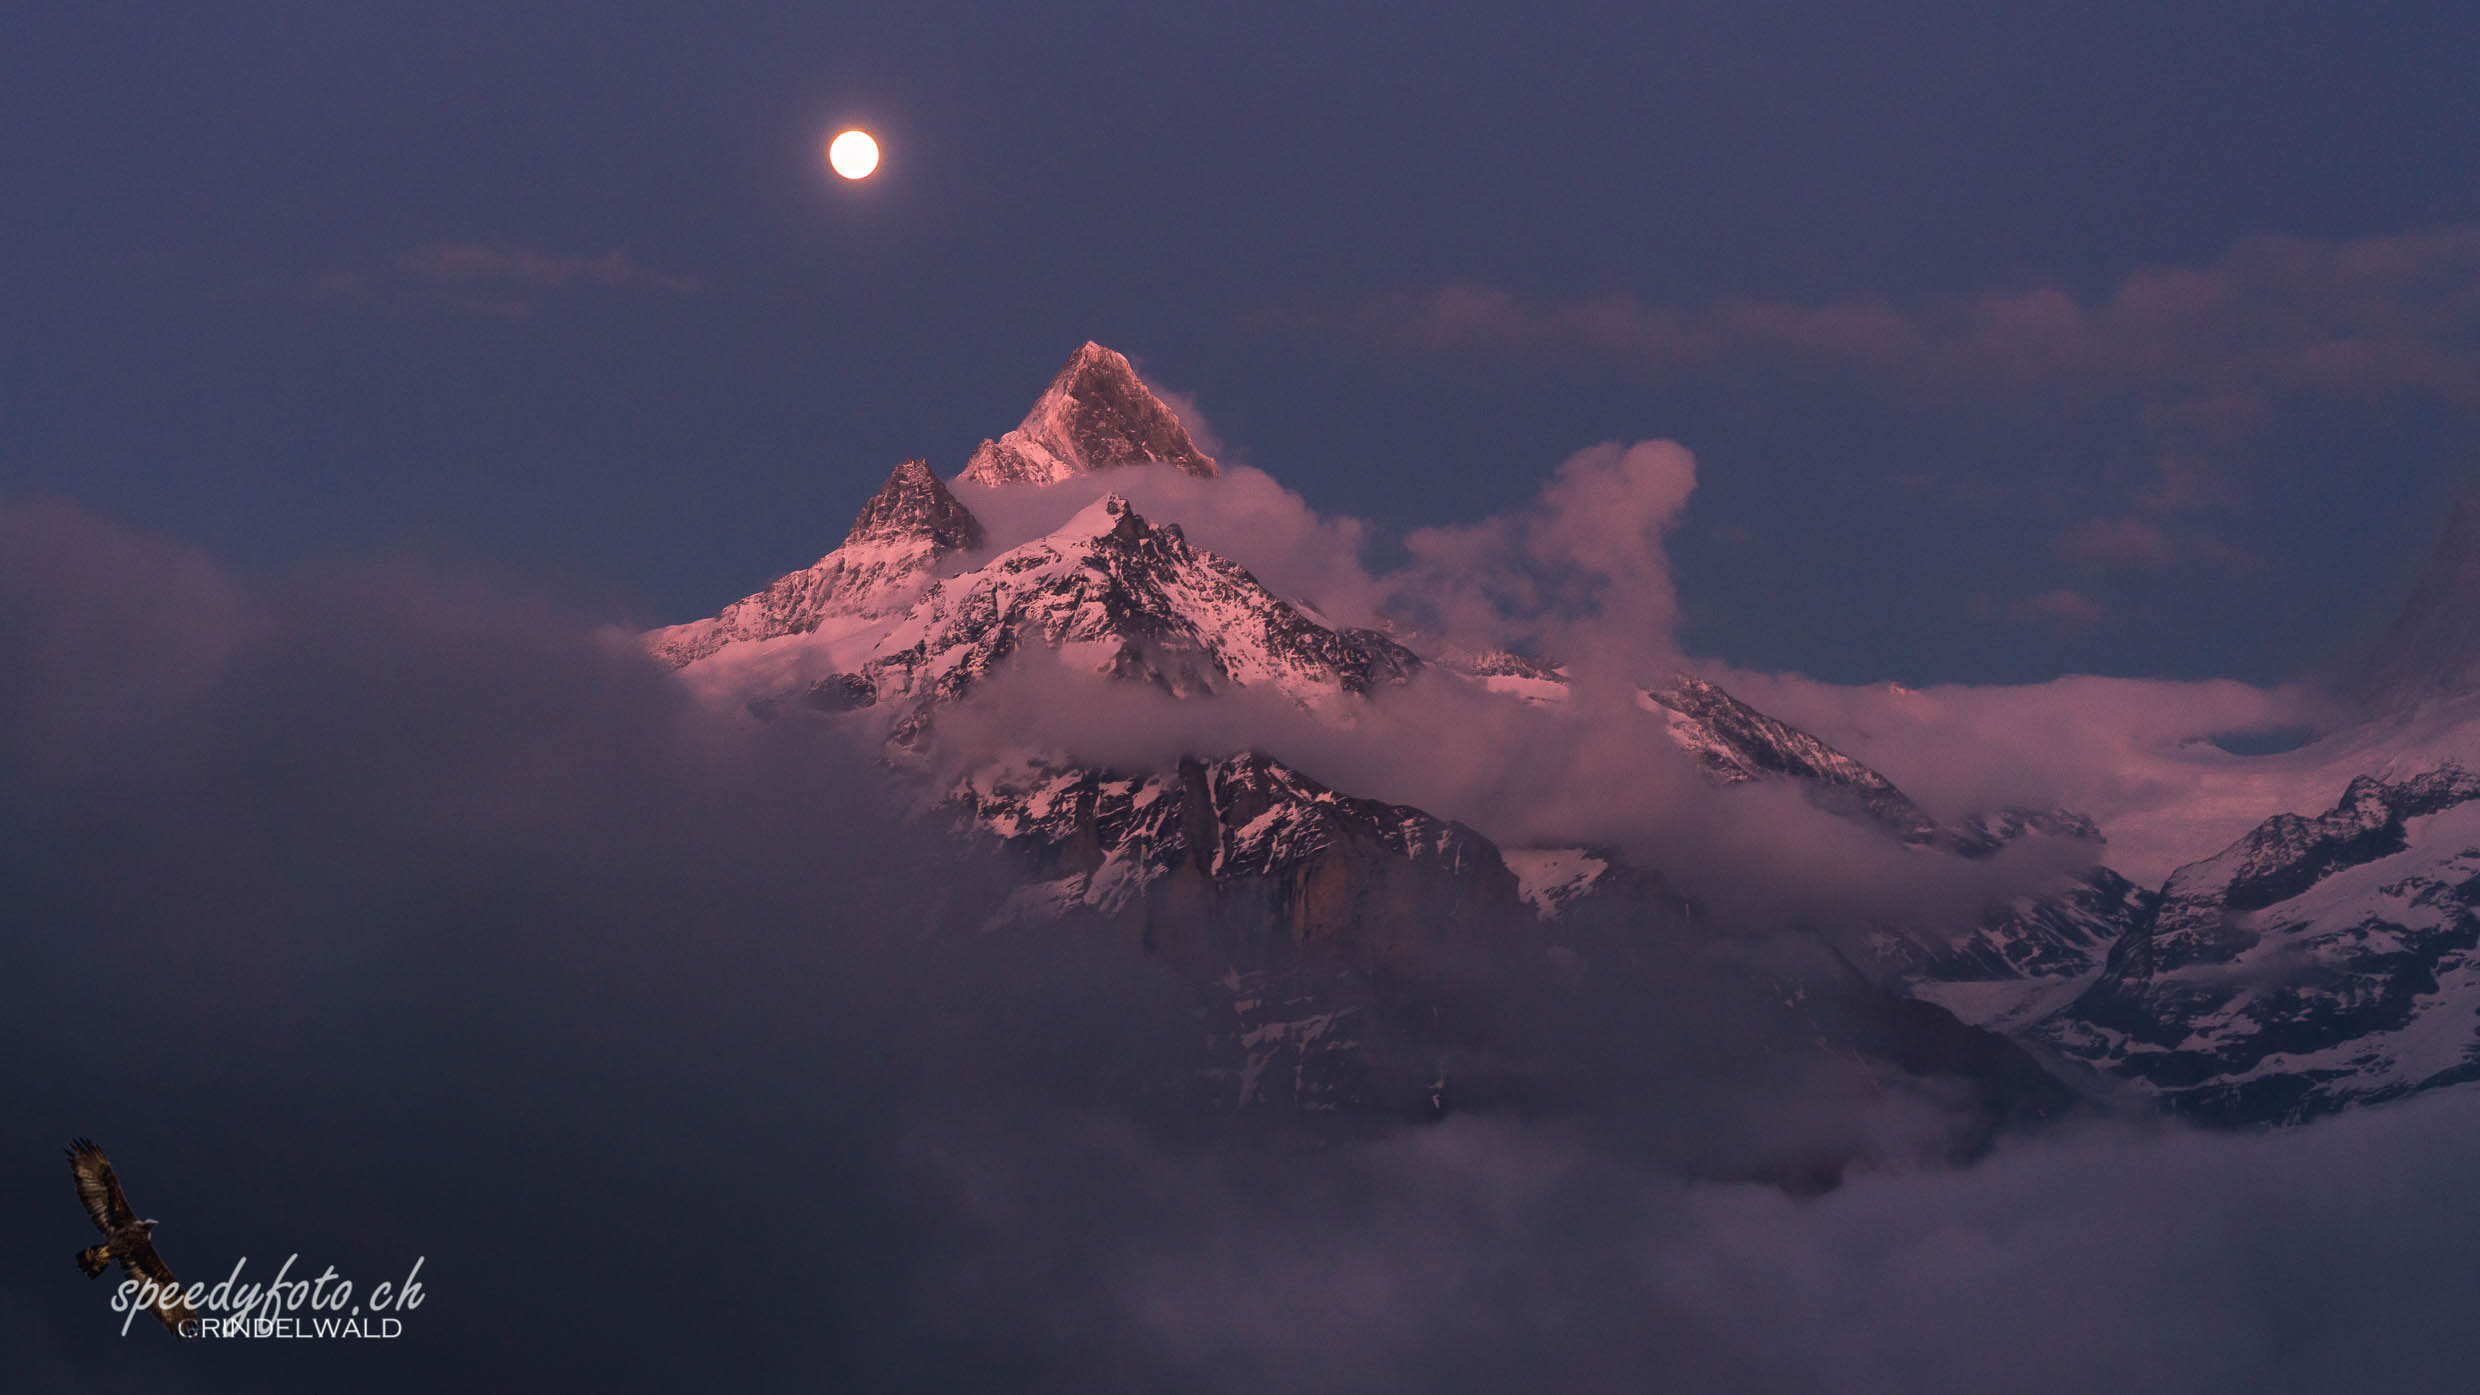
column 1098, row 414
column 1737, row 743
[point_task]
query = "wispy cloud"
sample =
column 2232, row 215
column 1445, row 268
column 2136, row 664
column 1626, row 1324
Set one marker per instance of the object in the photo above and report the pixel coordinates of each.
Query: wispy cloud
column 2066, row 608
column 2127, row 543
column 476, row 280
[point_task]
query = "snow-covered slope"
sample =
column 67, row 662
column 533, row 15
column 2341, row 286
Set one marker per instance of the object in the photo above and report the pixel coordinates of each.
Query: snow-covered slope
column 1096, row 414
column 1107, row 592
column 1552, row 879
column 1114, row 594
column 883, row 565
column 2316, row 963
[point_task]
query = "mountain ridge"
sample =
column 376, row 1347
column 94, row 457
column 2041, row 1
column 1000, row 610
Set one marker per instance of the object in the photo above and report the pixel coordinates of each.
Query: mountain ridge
column 1240, row 862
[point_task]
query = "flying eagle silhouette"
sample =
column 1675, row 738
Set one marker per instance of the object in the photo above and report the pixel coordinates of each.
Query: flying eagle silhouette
column 125, row 1237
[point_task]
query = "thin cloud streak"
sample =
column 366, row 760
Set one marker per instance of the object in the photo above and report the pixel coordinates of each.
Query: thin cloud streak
column 2203, row 356
column 475, row 280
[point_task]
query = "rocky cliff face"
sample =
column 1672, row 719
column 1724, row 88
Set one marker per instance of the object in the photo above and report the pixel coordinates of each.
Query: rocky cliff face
column 1295, row 908
column 1097, row 414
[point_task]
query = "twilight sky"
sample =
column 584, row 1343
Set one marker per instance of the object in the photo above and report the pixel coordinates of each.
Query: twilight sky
column 2127, row 338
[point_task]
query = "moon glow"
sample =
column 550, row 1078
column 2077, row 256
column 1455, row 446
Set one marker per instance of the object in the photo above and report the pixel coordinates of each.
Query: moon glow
column 853, row 154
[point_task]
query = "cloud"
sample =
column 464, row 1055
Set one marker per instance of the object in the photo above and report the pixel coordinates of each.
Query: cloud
column 1583, row 573
column 477, row 280
column 1200, row 431
column 2146, row 1263
column 2203, row 357
column 2066, row 608
column 2132, row 753
column 2124, row 543
column 2119, row 544
column 370, row 913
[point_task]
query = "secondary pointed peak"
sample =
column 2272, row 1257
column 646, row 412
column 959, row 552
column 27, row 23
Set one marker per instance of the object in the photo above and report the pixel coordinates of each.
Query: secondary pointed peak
column 884, row 564
column 913, row 504
column 1108, row 515
column 1097, row 414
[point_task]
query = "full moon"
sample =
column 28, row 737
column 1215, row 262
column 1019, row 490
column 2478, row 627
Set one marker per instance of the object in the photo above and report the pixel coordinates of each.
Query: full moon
column 853, row 154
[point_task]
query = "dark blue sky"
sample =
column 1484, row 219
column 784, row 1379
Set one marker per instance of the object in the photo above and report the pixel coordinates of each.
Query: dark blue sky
column 2136, row 338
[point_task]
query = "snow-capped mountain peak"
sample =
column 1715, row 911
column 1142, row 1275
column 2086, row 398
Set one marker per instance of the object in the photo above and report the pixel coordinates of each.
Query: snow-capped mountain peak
column 887, row 559
column 1097, row 414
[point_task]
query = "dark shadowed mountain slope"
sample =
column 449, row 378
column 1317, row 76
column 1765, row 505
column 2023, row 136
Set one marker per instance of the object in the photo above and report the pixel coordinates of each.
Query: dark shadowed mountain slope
column 2432, row 649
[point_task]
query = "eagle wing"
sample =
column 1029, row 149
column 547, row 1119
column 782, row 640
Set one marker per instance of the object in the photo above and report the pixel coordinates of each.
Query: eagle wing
column 141, row 1261
column 98, row 1190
